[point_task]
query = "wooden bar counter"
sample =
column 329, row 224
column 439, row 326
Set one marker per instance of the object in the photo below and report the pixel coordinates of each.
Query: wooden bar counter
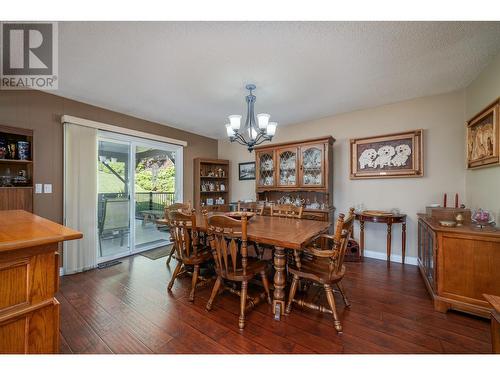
column 29, row 279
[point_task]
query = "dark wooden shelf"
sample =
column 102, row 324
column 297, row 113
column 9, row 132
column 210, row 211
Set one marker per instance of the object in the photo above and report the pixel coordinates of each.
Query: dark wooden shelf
column 15, row 161
column 202, row 169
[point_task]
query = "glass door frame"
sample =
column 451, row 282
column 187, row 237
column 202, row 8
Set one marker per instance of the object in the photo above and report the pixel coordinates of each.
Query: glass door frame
column 133, row 143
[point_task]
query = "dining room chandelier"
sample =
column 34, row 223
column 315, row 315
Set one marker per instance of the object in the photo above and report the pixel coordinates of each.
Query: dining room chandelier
column 253, row 132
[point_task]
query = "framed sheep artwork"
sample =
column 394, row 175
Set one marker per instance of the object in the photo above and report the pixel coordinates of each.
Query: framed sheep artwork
column 483, row 138
column 387, row 156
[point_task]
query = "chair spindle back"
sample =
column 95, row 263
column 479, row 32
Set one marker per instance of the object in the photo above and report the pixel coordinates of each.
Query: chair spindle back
column 228, row 242
column 287, row 210
column 251, row 207
column 184, row 234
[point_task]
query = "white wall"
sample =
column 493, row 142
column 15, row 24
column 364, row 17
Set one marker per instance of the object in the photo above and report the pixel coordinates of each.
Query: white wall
column 441, row 117
column 483, row 185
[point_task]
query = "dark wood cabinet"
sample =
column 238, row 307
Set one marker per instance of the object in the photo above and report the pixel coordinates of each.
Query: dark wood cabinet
column 16, row 169
column 459, row 265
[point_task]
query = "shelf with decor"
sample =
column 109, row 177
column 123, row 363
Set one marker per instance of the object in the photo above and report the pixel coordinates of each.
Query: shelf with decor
column 211, row 184
column 16, row 168
column 299, row 173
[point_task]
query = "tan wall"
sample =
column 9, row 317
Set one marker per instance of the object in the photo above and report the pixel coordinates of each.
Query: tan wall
column 440, row 116
column 483, row 185
column 42, row 112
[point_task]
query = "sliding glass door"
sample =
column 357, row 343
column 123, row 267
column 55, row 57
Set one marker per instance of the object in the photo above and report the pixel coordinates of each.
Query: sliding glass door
column 137, row 178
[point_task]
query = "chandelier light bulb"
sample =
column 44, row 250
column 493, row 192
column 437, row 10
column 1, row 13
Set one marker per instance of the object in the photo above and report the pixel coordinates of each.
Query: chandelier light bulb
column 252, row 133
column 229, row 130
column 235, row 122
column 263, row 120
column 271, row 128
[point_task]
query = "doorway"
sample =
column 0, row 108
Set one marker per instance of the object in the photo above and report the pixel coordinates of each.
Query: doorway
column 136, row 179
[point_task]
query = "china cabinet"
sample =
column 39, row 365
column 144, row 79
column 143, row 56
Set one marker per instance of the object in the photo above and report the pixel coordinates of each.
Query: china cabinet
column 299, row 173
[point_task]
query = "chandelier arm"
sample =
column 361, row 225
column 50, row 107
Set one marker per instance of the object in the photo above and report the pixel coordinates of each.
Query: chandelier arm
column 262, row 140
column 238, row 138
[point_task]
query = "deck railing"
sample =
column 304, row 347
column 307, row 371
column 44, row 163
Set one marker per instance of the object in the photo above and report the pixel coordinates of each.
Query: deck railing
column 149, row 200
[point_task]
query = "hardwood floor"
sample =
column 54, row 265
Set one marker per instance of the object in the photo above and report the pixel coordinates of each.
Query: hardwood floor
column 126, row 309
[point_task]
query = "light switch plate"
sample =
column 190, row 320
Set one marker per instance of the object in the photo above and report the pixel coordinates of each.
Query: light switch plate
column 47, row 188
column 38, row 188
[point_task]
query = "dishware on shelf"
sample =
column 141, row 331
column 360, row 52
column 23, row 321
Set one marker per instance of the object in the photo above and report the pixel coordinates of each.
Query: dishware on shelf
column 23, row 150
column 5, row 181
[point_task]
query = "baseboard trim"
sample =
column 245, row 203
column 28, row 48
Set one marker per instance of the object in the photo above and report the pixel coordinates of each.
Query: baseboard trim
column 394, row 257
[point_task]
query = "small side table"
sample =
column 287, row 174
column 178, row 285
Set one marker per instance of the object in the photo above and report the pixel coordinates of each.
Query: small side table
column 495, row 322
column 385, row 219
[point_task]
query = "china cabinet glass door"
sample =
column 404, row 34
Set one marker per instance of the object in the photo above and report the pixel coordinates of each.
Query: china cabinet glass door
column 312, row 165
column 265, row 168
column 287, row 162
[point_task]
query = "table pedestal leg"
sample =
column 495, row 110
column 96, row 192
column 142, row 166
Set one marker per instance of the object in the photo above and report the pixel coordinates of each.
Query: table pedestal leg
column 361, row 237
column 279, row 282
column 403, row 239
column 389, row 240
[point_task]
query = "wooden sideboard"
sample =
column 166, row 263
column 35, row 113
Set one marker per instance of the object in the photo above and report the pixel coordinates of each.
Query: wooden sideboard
column 459, row 265
column 29, row 279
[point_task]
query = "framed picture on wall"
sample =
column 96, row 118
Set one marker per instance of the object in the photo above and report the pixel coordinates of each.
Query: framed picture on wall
column 246, row 171
column 483, row 138
column 387, row 156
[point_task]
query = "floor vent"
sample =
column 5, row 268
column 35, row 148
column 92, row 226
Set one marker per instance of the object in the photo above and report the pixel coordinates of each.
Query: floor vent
column 108, row 264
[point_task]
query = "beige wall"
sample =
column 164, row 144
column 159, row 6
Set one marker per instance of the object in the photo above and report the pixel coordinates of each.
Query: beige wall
column 483, row 185
column 42, row 112
column 440, row 116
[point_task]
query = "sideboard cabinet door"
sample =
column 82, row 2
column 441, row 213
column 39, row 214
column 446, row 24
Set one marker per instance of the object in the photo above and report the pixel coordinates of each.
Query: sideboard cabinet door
column 427, row 252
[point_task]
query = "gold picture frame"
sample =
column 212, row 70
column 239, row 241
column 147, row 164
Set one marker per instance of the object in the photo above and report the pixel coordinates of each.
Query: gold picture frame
column 483, row 138
column 387, row 156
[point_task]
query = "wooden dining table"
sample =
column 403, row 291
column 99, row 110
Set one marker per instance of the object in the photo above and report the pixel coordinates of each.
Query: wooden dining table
column 280, row 233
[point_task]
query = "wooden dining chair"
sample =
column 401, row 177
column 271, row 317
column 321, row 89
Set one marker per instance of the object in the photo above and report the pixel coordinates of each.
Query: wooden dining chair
column 286, row 210
column 323, row 264
column 180, row 207
column 189, row 252
column 232, row 263
column 258, row 209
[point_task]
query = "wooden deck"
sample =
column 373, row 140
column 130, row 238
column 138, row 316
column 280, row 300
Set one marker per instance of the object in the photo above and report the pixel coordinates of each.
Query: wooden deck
column 125, row 309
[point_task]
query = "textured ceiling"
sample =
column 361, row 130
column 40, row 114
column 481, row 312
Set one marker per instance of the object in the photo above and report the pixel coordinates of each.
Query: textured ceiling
column 191, row 75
